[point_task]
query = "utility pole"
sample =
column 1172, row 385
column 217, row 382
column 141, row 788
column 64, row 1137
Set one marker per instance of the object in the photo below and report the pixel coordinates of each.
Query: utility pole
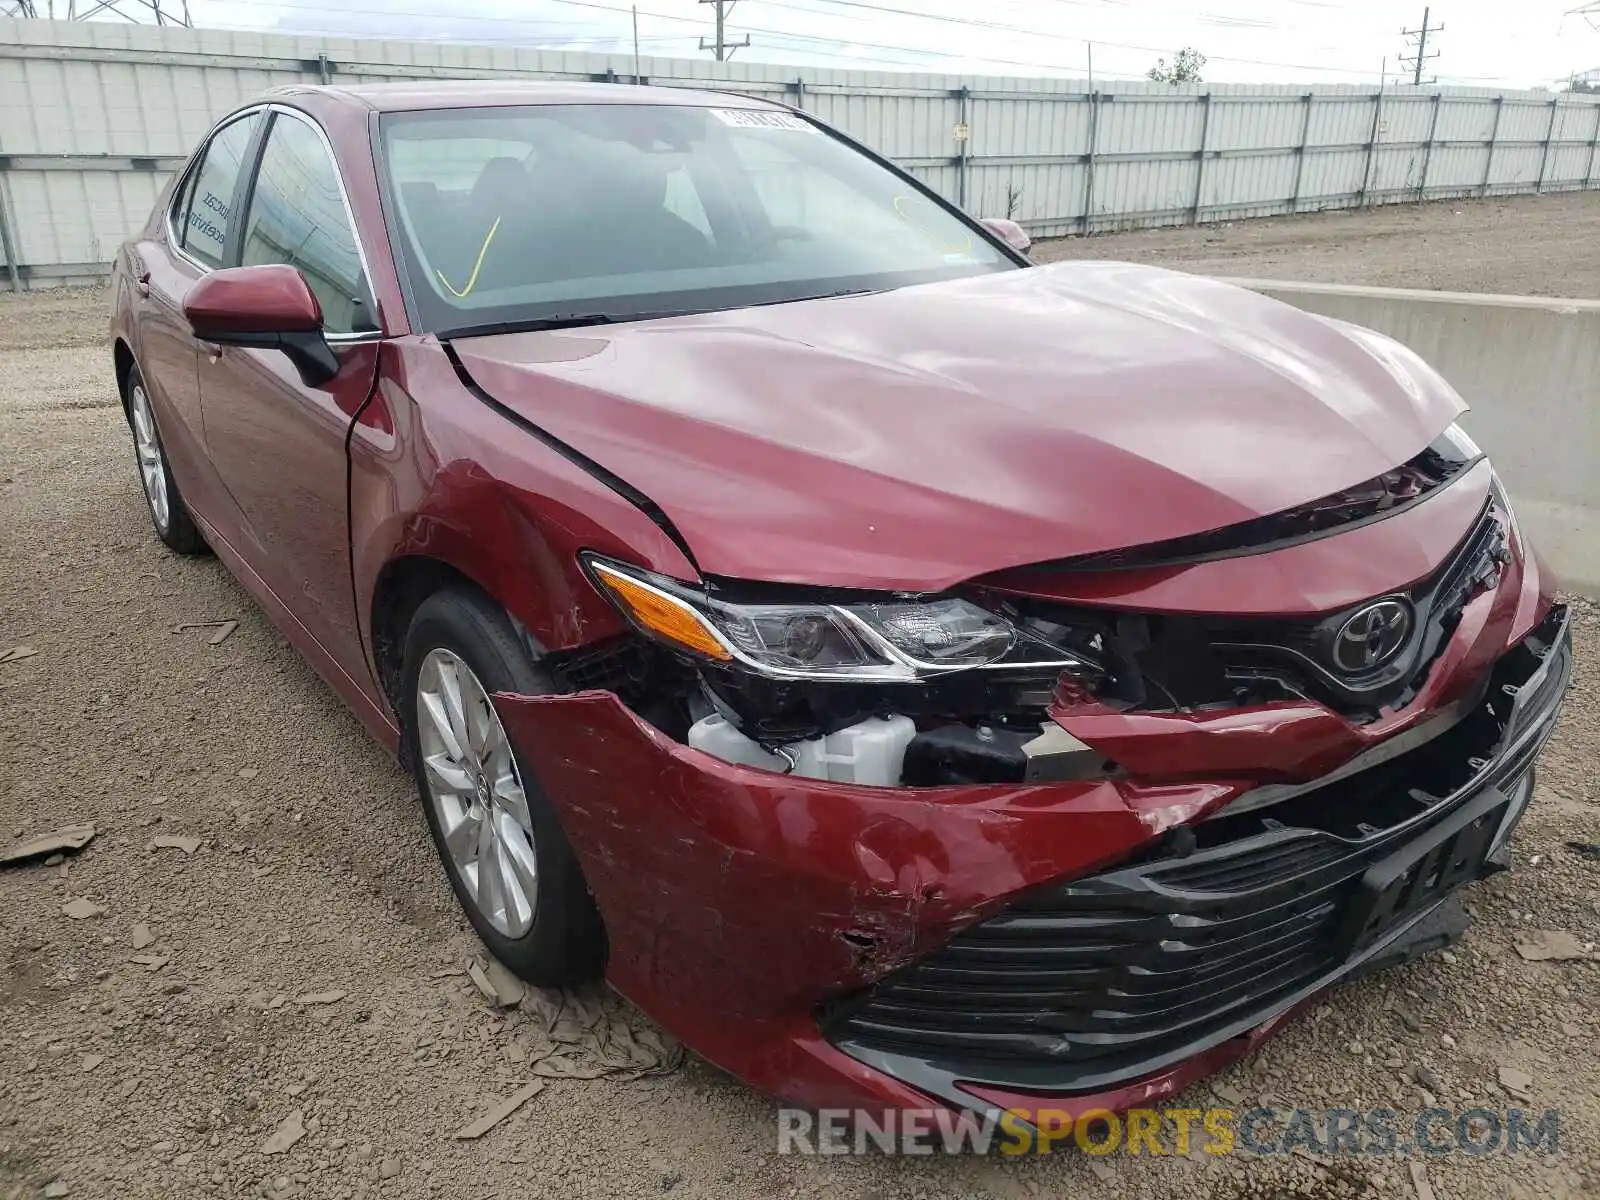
column 1421, row 56
column 721, row 44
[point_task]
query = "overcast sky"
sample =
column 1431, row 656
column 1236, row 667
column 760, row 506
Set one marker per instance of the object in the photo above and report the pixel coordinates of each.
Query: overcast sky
column 1493, row 43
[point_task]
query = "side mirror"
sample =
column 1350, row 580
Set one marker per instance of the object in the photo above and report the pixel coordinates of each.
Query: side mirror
column 1009, row 232
column 270, row 307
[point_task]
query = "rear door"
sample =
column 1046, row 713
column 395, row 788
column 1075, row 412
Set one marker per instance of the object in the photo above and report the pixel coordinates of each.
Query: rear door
column 188, row 243
column 279, row 445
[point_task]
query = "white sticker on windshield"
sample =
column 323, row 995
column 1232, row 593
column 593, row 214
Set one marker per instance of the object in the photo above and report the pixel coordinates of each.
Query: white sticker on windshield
column 760, row 118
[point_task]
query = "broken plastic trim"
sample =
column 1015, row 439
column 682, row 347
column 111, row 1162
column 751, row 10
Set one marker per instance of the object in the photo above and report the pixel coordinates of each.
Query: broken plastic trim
column 1376, row 499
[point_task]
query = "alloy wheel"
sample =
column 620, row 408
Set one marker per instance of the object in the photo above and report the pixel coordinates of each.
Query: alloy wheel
column 152, row 470
column 476, row 793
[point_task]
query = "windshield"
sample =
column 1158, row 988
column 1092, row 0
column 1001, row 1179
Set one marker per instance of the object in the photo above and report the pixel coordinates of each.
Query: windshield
column 620, row 211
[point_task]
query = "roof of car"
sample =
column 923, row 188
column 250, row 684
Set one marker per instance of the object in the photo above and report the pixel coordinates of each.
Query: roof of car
column 481, row 93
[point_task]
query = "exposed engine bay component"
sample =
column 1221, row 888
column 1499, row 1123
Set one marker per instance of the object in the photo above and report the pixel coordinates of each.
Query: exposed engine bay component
column 869, row 753
column 964, row 754
column 890, row 751
column 1056, row 755
column 986, row 753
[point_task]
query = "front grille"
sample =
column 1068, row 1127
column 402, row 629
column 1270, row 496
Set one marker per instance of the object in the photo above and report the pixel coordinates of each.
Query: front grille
column 1095, row 981
column 1299, row 652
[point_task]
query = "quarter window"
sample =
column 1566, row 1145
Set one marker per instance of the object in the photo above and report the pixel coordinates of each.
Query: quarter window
column 204, row 205
column 298, row 216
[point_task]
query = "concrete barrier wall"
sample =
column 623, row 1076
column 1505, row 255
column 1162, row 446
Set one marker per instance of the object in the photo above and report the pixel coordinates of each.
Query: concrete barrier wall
column 1530, row 369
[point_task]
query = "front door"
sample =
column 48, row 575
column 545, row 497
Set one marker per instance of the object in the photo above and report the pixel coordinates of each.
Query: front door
column 279, row 445
column 165, row 266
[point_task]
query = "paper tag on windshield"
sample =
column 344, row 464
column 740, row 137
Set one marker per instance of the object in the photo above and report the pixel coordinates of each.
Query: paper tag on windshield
column 759, row 118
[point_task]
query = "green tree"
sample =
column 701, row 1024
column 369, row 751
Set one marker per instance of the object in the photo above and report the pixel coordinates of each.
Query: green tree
column 1185, row 67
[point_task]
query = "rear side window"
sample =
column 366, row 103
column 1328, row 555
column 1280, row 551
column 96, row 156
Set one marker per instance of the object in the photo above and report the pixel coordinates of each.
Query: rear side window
column 298, row 216
column 204, row 208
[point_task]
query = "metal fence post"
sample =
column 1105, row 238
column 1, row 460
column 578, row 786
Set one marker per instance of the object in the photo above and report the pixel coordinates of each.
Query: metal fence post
column 961, row 162
column 799, row 89
column 1549, row 133
column 13, row 267
column 1200, row 159
column 1494, row 140
column 1300, row 153
column 1088, row 175
column 1372, row 147
column 1594, row 144
column 1427, row 153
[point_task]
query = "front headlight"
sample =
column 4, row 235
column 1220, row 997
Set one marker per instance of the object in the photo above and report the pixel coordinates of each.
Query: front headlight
column 882, row 641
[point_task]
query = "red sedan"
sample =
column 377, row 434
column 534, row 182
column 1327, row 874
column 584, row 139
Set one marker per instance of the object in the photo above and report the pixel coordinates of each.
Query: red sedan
column 910, row 675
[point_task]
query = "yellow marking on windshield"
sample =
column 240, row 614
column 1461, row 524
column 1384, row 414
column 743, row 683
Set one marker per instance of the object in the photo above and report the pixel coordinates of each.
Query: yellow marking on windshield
column 472, row 280
column 962, row 247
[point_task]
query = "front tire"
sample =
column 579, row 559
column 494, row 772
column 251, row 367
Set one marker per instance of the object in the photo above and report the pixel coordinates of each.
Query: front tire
column 502, row 846
column 168, row 514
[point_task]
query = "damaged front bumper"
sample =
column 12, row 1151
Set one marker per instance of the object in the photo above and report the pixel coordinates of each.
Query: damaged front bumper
column 992, row 946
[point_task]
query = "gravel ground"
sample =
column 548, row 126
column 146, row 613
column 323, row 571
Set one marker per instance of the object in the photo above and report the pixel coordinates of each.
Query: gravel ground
column 312, row 949
column 1532, row 245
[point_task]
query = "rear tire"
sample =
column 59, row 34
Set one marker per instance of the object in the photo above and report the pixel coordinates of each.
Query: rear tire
column 509, row 862
column 168, row 513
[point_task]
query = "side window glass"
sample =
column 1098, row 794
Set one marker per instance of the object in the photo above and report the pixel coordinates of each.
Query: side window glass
column 297, row 216
column 180, row 205
column 204, row 213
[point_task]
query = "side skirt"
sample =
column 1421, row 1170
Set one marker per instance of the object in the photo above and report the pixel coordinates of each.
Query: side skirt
column 375, row 718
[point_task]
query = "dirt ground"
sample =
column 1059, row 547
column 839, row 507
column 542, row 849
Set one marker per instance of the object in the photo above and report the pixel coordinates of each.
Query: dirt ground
column 1532, row 245
column 304, row 960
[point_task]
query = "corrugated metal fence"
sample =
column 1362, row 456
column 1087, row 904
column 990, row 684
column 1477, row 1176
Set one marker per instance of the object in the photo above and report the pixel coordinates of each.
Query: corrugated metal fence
column 95, row 117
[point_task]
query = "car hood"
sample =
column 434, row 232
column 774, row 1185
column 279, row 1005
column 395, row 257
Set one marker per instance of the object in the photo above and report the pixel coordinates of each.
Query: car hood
column 915, row 438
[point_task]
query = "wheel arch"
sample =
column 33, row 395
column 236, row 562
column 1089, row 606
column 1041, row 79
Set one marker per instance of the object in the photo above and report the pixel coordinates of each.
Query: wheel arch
column 401, row 586
column 122, row 361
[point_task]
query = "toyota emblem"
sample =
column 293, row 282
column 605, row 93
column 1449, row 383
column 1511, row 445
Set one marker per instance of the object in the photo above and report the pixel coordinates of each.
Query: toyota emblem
column 1371, row 636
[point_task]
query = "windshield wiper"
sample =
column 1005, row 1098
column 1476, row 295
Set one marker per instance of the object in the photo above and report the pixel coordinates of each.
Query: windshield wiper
column 818, row 296
column 579, row 320
column 558, row 321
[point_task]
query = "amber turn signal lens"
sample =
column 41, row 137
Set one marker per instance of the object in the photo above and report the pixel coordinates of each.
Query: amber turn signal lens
column 662, row 615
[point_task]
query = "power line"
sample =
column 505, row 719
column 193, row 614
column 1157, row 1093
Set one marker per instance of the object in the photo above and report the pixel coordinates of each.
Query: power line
column 831, row 43
column 1421, row 56
column 981, row 23
column 836, row 43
